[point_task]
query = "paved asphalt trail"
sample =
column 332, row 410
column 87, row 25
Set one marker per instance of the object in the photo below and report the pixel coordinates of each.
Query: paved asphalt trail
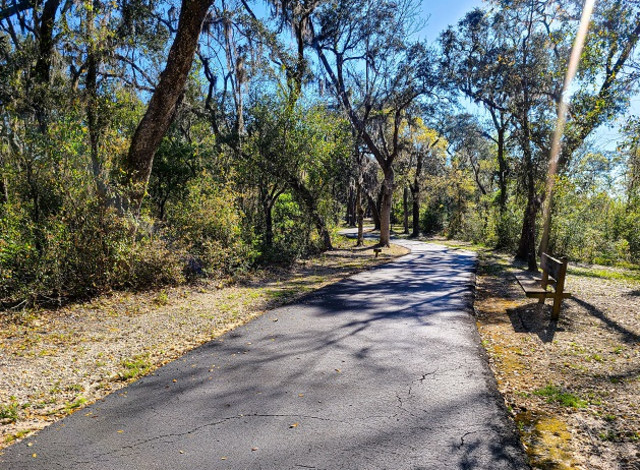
column 383, row 370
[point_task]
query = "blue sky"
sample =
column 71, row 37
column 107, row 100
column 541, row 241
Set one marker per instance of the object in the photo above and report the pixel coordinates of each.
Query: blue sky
column 441, row 14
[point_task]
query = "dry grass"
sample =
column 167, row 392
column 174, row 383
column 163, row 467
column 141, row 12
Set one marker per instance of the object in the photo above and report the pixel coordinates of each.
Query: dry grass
column 54, row 362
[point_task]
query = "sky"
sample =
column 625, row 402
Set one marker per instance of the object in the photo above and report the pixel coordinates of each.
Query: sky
column 440, row 14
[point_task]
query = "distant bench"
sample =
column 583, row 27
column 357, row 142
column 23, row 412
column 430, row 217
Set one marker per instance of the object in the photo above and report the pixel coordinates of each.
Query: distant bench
column 554, row 272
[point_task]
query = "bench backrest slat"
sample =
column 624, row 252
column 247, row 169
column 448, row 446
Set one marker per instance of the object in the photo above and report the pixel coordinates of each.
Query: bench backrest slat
column 555, row 268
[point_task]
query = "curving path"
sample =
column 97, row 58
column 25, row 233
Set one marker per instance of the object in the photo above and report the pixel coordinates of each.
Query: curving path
column 383, row 370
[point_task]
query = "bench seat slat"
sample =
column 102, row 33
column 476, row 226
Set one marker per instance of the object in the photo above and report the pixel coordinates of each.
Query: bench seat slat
column 531, row 285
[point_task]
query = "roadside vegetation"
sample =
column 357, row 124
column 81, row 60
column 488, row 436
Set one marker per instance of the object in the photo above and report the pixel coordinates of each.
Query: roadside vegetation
column 573, row 388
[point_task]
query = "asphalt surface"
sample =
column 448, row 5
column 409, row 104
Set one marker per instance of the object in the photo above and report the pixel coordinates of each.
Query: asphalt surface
column 383, row 370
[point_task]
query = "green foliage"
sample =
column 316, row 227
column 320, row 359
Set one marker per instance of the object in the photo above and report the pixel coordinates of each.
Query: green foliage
column 134, row 367
column 79, row 254
column 432, row 218
column 9, row 413
column 557, row 395
column 293, row 232
column 209, row 227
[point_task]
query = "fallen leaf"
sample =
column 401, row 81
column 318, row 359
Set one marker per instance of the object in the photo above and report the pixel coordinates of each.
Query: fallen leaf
column 300, row 395
column 223, row 458
column 253, row 449
column 29, row 444
column 294, row 425
column 182, row 451
column 34, row 455
column 120, row 431
column 175, row 381
column 338, row 371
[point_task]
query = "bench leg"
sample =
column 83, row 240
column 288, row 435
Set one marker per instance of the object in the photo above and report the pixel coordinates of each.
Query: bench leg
column 555, row 313
column 541, row 300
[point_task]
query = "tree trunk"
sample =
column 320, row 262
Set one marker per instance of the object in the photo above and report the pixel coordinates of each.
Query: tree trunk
column 268, row 229
column 42, row 68
column 4, row 186
column 405, row 209
column 503, row 235
column 351, row 208
column 527, row 247
column 164, row 100
column 92, row 112
column 386, row 201
column 359, row 216
column 4, row 190
column 415, row 196
column 268, row 199
column 502, row 172
column 375, row 213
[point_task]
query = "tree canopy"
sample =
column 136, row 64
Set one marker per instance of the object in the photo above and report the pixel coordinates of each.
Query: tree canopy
column 145, row 142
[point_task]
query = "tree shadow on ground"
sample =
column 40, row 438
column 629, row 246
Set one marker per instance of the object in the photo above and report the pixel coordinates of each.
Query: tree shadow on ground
column 627, row 335
column 261, row 371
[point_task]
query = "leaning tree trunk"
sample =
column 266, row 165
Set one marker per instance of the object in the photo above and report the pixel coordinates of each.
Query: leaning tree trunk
column 164, row 100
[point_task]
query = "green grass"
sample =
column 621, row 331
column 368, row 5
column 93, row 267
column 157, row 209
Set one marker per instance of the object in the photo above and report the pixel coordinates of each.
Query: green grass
column 557, row 395
column 161, row 299
column 135, row 367
column 16, row 436
column 74, row 405
column 602, row 273
column 9, row 413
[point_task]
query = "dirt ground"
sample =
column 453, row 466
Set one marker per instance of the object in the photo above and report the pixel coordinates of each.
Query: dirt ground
column 55, row 362
column 573, row 387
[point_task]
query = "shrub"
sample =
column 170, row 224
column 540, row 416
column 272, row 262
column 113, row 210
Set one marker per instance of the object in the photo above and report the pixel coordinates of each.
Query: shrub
column 209, row 227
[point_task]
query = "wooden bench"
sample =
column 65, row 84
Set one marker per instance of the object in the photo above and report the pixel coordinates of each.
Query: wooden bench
column 550, row 285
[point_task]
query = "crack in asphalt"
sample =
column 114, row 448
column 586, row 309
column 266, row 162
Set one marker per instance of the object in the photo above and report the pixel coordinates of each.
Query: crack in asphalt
column 424, row 376
column 463, row 436
column 206, row 425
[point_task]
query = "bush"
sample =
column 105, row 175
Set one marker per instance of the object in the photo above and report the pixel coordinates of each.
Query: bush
column 209, row 227
column 292, row 233
column 432, row 219
column 77, row 254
